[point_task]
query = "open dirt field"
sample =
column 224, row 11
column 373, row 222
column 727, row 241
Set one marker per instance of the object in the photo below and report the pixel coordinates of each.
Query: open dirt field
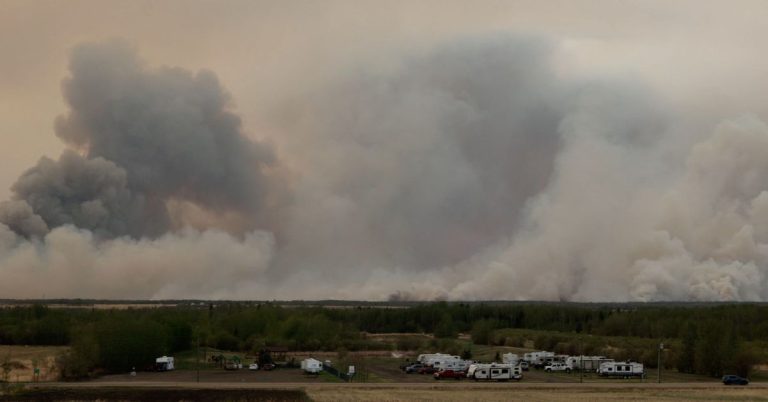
column 22, row 361
column 217, row 376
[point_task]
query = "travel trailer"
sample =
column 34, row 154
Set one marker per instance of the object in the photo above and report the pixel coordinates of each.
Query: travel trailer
column 510, row 358
column 621, row 369
column 586, row 363
column 311, row 366
column 164, row 363
column 494, row 372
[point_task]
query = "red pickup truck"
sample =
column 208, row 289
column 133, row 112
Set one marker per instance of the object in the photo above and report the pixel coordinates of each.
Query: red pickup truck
column 449, row 374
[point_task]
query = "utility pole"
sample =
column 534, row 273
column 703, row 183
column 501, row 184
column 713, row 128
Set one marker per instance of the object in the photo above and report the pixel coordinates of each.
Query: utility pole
column 581, row 362
column 661, row 348
column 197, row 357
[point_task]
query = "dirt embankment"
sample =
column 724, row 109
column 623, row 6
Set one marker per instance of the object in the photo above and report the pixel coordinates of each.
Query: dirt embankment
column 29, row 363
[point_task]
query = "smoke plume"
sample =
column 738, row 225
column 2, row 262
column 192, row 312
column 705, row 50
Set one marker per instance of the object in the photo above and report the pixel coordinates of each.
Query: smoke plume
column 473, row 169
column 146, row 136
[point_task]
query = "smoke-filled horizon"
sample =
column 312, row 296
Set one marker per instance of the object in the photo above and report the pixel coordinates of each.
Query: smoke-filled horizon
column 471, row 169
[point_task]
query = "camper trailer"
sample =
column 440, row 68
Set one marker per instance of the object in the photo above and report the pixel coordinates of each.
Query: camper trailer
column 311, row 366
column 442, row 361
column 621, row 369
column 455, row 365
column 510, row 358
column 428, row 357
column 586, row 363
column 494, row 372
column 164, row 363
column 539, row 359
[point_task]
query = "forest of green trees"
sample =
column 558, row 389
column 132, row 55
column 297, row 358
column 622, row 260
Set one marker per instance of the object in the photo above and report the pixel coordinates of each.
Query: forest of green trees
column 704, row 339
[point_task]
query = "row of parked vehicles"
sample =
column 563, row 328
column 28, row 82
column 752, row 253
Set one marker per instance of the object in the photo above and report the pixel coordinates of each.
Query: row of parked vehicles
column 475, row 371
column 603, row 366
column 443, row 366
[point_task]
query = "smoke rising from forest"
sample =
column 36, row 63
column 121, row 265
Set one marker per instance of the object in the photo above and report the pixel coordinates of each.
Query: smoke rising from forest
column 470, row 170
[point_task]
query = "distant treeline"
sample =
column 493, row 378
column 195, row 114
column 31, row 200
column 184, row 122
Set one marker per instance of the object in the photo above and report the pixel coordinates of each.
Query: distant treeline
column 118, row 339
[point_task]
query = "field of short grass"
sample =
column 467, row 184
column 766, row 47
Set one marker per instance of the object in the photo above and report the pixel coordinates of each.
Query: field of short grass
column 554, row 395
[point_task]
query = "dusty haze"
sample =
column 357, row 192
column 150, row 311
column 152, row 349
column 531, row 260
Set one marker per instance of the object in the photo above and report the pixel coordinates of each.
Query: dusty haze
column 588, row 151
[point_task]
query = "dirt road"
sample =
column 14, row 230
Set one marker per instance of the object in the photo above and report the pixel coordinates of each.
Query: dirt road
column 410, row 385
column 464, row 391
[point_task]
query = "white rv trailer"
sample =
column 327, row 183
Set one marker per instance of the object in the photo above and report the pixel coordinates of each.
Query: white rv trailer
column 312, row 366
column 510, row 358
column 494, row 372
column 539, row 359
column 586, row 363
column 442, row 361
column 164, row 363
column 440, row 358
column 424, row 358
column 621, row 369
column 455, row 365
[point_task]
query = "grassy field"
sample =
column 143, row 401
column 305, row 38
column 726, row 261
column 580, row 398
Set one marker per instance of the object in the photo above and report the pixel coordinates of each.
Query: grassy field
column 330, row 392
column 554, row 395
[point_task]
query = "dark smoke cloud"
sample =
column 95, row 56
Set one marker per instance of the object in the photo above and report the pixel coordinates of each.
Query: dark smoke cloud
column 86, row 193
column 148, row 136
column 21, row 218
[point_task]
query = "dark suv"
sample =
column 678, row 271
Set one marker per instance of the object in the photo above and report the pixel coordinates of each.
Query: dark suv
column 414, row 368
column 734, row 380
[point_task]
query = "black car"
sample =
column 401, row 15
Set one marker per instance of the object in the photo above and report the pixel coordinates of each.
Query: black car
column 734, row 380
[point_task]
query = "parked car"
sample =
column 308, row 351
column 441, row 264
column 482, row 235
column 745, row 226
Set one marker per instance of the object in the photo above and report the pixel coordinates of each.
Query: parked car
column 268, row 366
column 449, row 374
column 414, row 368
column 734, row 380
column 557, row 366
column 427, row 370
column 253, row 366
column 524, row 365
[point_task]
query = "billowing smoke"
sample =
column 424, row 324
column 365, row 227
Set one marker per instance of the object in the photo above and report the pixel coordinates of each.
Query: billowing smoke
column 471, row 170
column 86, row 193
column 426, row 165
column 146, row 136
column 603, row 233
column 70, row 262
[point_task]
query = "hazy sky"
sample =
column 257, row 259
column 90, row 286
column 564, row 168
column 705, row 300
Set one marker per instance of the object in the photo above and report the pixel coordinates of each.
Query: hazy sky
column 708, row 55
column 488, row 149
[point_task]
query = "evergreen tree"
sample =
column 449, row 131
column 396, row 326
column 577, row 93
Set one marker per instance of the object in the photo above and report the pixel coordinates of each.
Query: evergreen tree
column 686, row 359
